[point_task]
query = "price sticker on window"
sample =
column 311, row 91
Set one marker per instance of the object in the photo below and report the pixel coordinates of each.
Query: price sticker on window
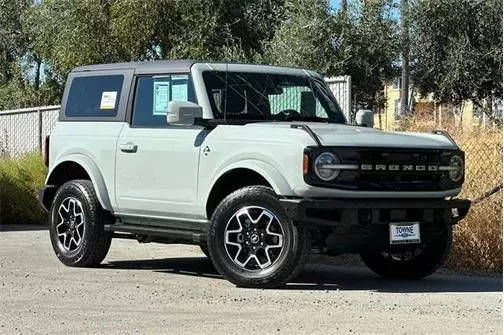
column 108, row 100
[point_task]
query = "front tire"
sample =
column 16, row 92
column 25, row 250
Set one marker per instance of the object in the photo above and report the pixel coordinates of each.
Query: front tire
column 410, row 263
column 253, row 243
column 77, row 225
column 204, row 249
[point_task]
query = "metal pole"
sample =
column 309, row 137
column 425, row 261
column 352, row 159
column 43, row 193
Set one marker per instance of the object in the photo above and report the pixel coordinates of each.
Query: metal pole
column 39, row 112
column 405, row 59
column 349, row 97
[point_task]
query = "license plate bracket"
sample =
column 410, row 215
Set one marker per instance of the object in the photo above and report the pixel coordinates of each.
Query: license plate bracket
column 404, row 232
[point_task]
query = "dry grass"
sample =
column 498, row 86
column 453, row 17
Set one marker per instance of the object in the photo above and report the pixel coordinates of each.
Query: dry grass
column 478, row 238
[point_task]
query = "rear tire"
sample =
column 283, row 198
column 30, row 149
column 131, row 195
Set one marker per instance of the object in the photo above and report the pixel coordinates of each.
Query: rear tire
column 77, row 225
column 424, row 261
column 252, row 241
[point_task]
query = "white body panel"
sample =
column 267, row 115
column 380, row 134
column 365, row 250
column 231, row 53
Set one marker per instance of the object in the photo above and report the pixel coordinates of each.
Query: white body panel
column 94, row 145
column 278, row 158
column 161, row 177
column 169, row 175
column 277, row 150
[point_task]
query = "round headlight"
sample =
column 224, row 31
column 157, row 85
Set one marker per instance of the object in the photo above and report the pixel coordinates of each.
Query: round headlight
column 456, row 168
column 322, row 167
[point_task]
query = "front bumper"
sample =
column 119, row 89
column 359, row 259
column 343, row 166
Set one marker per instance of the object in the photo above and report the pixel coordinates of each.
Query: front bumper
column 370, row 212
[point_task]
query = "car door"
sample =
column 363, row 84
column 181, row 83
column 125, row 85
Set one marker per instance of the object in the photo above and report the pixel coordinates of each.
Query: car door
column 157, row 164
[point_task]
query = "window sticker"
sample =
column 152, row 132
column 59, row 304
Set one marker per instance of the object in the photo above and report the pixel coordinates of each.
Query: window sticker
column 179, row 92
column 108, row 100
column 179, row 87
column 161, row 97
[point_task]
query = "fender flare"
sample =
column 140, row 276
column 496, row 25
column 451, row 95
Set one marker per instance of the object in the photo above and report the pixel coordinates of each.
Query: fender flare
column 267, row 171
column 94, row 174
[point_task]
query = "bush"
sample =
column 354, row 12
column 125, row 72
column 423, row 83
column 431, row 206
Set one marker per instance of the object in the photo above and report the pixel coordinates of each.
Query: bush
column 20, row 180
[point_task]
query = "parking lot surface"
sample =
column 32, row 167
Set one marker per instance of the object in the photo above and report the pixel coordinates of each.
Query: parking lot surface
column 174, row 289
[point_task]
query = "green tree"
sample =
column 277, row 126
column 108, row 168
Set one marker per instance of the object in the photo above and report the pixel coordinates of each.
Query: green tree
column 12, row 39
column 369, row 49
column 457, row 49
column 360, row 40
column 20, row 91
column 19, row 82
column 68, row 33
column 63, row 34
column 305, row 37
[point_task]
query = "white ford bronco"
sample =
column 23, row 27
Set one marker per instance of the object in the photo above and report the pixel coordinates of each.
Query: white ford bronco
column 256, row 164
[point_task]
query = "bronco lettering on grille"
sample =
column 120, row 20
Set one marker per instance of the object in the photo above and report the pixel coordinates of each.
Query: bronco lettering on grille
column 397, row 167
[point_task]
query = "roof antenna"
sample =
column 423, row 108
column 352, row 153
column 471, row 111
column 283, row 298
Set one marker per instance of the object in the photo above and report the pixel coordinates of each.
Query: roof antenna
column 226, row 94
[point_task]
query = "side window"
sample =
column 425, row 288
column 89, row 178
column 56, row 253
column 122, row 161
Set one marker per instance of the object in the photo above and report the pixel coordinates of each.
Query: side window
column 94, row 96
column 154, row 93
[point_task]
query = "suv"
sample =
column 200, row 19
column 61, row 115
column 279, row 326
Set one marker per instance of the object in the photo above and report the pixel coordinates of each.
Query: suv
column 256, row 164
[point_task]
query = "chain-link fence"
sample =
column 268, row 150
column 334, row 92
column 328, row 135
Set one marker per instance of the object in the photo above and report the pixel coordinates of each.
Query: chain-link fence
column 23, row 130
column 481, row 231
column 478, row 238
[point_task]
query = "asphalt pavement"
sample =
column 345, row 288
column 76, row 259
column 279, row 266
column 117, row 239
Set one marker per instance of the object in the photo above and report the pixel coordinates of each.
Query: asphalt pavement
column 174, row 289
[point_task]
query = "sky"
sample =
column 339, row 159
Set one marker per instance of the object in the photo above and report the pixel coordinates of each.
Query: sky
column 334, row 3
column 395, row 12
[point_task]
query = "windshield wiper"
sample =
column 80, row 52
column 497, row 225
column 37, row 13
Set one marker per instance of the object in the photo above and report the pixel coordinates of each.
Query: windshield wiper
column 314, row 119
column 308, row 118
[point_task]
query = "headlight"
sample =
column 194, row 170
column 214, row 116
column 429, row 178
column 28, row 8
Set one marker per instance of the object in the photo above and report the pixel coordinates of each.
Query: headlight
column 456, row 168
column 323, row 168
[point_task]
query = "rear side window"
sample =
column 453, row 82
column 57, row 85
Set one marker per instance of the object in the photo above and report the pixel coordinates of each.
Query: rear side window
column 94, row 96
column 154, row 93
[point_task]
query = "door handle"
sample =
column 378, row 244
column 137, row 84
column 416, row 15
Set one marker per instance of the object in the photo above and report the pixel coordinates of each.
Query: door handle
column 128, row 147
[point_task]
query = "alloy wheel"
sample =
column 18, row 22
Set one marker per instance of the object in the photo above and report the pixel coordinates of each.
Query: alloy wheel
column 254, row 238
column 70, row 227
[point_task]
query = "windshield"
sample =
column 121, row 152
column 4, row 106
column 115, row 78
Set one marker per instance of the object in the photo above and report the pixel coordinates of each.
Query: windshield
column 270, row 96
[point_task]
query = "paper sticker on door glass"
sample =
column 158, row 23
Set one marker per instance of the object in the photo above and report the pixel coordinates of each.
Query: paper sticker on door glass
column 179, row 92
column 161, row 97
column 108, row 100
column 179, row 87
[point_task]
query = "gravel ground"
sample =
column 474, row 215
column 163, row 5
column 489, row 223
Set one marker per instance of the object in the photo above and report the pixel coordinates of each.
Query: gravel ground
column 174, row 289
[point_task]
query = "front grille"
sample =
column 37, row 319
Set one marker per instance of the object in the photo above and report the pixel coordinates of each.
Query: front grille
column 399, row 180
column 393, row 176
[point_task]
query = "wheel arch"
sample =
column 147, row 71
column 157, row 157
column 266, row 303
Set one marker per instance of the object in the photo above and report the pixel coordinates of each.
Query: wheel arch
column 241, row 174
column 78, row 167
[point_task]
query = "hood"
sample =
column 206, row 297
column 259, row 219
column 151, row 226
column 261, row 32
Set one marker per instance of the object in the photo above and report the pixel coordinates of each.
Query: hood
column 348, row 135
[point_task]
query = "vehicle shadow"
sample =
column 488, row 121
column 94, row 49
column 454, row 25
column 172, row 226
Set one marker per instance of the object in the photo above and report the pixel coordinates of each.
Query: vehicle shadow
column 316, row 276
column 22, row 227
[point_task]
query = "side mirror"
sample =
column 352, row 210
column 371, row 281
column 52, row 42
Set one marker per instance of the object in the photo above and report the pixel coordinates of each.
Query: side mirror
column 364, row 118
column 182, row 113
